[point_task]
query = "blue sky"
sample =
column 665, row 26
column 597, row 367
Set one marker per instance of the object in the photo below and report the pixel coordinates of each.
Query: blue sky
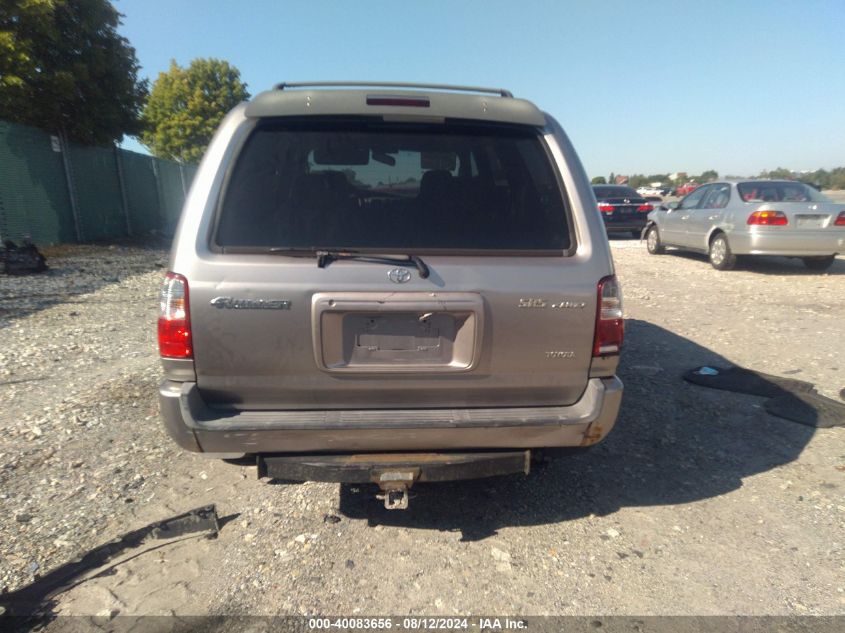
column 640, row 87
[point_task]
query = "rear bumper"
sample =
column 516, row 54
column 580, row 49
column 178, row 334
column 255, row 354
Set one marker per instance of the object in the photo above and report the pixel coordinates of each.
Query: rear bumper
column 775, row 241
column 626, row 225
column 197, row 427
column 371, row 468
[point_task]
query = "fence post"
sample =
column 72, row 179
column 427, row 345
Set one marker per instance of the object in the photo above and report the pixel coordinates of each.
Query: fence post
column 71, row 190
column 159, row 197
column 122, row 184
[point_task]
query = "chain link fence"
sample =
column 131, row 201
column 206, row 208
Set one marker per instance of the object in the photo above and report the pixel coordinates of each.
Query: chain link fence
column 53, row 191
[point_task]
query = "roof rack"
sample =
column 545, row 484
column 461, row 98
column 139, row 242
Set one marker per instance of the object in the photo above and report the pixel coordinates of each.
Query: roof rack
column 378, row 84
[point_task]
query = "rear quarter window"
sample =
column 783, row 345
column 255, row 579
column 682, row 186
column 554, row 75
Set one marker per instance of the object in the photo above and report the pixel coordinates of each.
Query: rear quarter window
column 373, row 186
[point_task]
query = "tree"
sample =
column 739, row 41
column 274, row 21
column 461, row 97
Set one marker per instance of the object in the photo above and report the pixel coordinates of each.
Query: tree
column 63, row 67
column 779, row 173
column 187, row 104
column 709, row 175
column 637, row 180
column 598, row 180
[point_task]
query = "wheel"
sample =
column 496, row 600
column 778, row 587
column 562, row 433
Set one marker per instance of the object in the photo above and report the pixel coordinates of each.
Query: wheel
column 652, row 241
column 818, row 263
column 720, row 253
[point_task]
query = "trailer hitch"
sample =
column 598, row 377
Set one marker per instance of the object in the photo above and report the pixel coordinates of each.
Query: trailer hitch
column 395, row 485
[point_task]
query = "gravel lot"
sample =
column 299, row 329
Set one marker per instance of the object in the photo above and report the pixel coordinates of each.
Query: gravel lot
column 699, row 502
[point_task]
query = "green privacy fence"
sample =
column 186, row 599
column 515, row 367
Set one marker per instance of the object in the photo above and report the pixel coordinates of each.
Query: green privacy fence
column 53, row 191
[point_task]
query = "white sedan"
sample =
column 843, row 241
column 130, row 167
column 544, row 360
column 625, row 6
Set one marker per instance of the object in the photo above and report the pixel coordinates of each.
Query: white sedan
column 649, row 191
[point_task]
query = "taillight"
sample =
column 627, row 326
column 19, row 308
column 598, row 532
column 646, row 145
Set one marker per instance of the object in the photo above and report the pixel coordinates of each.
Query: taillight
column 768, row 218
column 645, row 208
column 174, row 318
column 610, row 328
column 840, row 219
column 605, row 208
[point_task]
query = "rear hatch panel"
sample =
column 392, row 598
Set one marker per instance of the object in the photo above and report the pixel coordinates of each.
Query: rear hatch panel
column 506, row 318
column 489, row 332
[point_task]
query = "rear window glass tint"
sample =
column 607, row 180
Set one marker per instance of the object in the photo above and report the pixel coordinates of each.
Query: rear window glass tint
column 393, row 187
column 603, row 193
column 762, row 191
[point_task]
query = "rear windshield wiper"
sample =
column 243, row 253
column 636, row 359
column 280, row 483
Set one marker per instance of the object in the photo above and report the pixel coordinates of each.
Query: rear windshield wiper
column 324, row 258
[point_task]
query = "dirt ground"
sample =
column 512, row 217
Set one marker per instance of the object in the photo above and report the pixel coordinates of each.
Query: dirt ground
column 699, row 502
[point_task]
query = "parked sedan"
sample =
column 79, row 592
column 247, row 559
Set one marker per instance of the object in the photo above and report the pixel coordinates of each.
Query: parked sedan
column 622, row 208
column 757, row 217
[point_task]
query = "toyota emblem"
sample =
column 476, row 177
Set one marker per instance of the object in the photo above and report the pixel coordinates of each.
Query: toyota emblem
column 399, row 275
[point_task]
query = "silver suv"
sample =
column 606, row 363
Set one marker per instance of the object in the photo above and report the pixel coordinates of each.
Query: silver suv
column 389, row 283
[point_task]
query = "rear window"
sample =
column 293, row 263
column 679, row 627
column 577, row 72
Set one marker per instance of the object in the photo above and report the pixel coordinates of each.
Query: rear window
column 762, row 191
column 603, row 193
column 375, row 186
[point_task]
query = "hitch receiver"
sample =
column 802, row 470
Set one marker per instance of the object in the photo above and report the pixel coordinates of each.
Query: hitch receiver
column 395, row 499
column 395, row 485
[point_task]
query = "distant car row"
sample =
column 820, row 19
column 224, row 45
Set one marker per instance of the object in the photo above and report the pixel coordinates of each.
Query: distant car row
column 731, row 219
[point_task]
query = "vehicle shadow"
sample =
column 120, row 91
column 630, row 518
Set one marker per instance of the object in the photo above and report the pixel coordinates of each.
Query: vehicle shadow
column 767, row 265
column 673, row 443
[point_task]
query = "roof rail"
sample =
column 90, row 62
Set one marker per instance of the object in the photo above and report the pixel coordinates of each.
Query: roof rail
column 379, row 84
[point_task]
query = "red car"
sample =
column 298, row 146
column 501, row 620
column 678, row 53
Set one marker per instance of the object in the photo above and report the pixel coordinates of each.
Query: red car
column 685, row 189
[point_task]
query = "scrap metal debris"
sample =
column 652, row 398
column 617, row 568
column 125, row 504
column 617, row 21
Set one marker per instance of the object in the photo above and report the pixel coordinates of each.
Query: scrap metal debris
column 33, row 597
column 21, row 260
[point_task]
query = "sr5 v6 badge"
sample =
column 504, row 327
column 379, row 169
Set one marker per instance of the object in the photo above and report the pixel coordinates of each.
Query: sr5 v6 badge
column 542, row 303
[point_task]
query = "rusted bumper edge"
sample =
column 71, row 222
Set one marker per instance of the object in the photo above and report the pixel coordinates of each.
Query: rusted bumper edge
column 200, row 428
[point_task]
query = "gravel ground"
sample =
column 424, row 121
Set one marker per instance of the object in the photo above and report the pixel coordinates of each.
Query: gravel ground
column 698, row 502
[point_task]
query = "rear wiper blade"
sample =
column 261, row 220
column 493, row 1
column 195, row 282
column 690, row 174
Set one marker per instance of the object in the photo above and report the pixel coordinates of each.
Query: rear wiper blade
column 293, row 251
column 324, row 258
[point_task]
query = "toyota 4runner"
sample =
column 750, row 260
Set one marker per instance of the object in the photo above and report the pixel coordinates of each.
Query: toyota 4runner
column 389, row 283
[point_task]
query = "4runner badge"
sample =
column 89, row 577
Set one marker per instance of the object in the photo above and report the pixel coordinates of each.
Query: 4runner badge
column 249, row 304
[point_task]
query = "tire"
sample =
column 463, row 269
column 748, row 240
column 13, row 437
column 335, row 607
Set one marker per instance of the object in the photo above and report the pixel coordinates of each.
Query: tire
column 818, row 263
column 652, row 241
column 720, row 254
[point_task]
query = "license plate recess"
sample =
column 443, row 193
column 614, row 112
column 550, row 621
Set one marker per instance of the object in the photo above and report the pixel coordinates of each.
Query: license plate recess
column 397, row 332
